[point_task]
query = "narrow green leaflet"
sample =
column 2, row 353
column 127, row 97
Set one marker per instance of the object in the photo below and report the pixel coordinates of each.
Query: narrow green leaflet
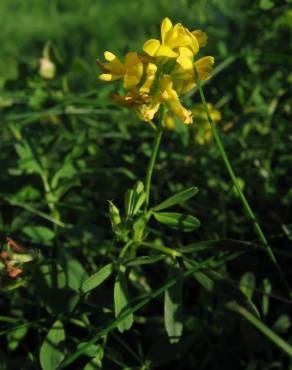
column 39, row 233
column 96, row 279
column 143, row 260
column 129, row 196
column 177, row 221
column 139, row 202
column 173, row 306
column 247, row 284
column 94, row 364
column 121, row 300
column 178, row 198
column 74, row 271
column 51, row 353
column 282, row 324
column 134, row 199
column 267, row 289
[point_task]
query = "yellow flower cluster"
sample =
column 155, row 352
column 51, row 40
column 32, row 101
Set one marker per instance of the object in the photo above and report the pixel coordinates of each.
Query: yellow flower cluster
column 166, row 71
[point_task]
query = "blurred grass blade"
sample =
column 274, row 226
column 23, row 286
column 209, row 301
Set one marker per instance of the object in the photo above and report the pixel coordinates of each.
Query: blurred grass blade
column 262, row 327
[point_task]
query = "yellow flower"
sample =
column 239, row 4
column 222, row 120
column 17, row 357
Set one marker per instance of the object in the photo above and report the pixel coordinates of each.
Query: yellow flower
column 187, row 71
column 203, row 67
column 147, row 106
column 131, row 71
column 167, row 71
column 172, row 39
column 150, row 77
column 171, row 98
column 201, row 37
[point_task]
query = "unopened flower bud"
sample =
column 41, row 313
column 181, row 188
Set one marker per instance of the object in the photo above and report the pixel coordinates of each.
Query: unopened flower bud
column 47, row 68
column 114, row 214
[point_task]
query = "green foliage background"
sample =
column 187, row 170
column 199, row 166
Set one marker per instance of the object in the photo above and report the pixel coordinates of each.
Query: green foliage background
column 66, row 149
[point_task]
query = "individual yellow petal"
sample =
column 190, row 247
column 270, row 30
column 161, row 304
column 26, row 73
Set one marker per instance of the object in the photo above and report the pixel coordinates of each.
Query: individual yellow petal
column 151, row 46
column 180, row 41
column 203, row 67
column 110, row 57
column 147, row 111
column 150, row 77
column 165, row 51
column 166, row 89
column 172, row 35
column 185, row 59
column 194, row 44
column 130, row 81
column 201, row 37
column 134, row 70
column 132, row 59
column 166, row 26
column 109, row 77
column 180, row 111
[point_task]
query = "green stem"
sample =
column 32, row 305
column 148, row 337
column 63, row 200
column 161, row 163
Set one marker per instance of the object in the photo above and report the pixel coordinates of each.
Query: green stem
column 173, row 253
column 242, row 197
column 125, row 248
column 156, row 144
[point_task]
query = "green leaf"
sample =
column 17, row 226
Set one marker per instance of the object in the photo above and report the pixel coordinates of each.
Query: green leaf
column 267, row 289
column 51, row 287
column 218, row 245
column 51, row 353
column 143, row 260
column 74, row 271
column 139, row 202
column 173, row 306
column 129, row 202
column 247, row 284
column 92, row 350
column 39, row 234
column 139, row 227
column 282, row 324
column 97, row 353
column 177, row 221
column 134, row 199
column 266, row 4
column 121, row 300
column 178, row 198
column 65, row 172
column 15, row 337
column 97, row 279
column 94, row 364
